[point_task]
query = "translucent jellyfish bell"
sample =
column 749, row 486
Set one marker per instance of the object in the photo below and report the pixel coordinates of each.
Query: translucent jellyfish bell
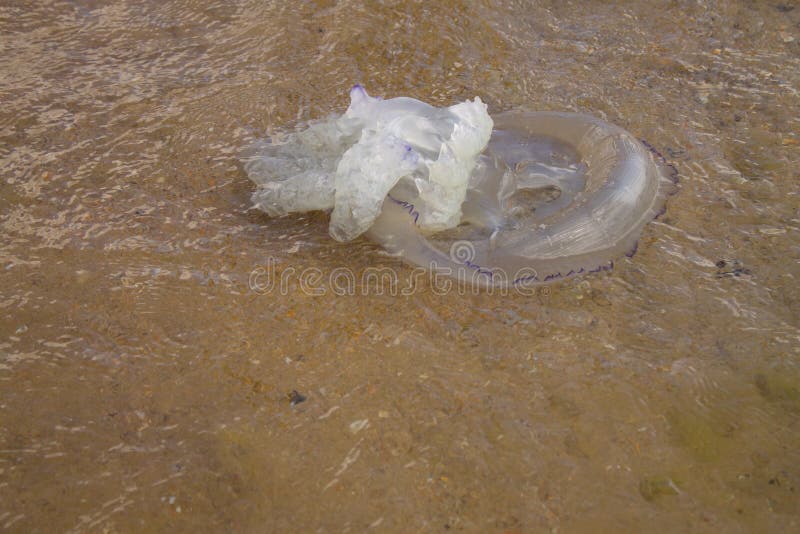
column 554, row 195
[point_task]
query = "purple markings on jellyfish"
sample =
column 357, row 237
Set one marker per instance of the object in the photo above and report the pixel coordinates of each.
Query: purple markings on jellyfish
column 523, row 279
column 408, row 206
column 478, row 269
column 358, row 88
column 559, row 275
column 632, row 251
column 671, row 169
column 672, row 175
column 358, row 94
column 411, row 154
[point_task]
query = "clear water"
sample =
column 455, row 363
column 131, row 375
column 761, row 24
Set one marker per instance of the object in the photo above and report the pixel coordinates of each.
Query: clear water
column 147, row 369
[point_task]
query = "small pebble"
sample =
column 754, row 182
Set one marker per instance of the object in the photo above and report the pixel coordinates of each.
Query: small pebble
column 296, row 398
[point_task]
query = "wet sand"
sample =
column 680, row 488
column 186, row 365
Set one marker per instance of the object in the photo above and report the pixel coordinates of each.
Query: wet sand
column 146, row 383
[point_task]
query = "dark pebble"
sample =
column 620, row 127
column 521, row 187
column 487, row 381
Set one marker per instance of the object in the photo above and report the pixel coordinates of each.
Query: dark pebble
column 296, row 398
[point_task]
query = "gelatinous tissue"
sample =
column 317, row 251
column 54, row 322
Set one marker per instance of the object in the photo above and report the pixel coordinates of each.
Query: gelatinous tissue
column 521, row 198
column 350, row 163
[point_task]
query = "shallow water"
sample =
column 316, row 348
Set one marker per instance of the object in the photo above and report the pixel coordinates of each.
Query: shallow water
column 146, row 363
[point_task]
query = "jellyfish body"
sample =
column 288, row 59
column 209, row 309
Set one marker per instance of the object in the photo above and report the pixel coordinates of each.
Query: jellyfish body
column 350, row 163
column 526, row 198
column 554, row 195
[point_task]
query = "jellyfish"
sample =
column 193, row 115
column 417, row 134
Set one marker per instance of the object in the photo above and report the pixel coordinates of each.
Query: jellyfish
column 518, row 199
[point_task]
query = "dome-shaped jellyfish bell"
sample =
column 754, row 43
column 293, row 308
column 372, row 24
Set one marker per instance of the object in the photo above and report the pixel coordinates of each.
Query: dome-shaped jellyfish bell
column 553, row 195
